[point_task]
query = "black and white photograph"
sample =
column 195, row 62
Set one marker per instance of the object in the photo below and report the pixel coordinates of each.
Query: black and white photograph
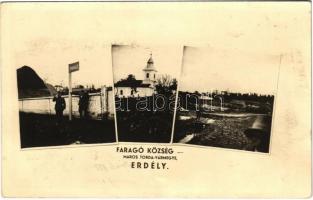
column 145, row 85
column 65, row 93
column 226, row 98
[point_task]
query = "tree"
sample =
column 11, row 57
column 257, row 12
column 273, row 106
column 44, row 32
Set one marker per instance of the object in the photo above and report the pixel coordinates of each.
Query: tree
column 166, row 85
column 131, row 77
column 173, row 86
column 80, row 86
column 130, row 81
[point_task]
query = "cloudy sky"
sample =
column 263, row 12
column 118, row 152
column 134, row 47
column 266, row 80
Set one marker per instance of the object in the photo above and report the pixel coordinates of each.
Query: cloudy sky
column 132, row 59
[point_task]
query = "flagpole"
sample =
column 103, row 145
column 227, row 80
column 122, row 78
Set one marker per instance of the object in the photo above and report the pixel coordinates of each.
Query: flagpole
column 71, row 68
column 70, row 96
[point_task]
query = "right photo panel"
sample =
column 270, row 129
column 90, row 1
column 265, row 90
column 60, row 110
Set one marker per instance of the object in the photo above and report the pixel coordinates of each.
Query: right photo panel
column 226, row 98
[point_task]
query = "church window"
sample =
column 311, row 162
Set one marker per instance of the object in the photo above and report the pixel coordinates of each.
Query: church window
column 154, row 76
column 147, row 76
column 121, row 92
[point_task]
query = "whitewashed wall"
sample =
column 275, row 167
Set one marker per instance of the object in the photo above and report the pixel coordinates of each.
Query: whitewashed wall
column 99, row 104
column 141, row 92
column 108, row 101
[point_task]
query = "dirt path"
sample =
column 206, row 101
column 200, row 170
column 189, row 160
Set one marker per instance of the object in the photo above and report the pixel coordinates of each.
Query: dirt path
column 186, row 139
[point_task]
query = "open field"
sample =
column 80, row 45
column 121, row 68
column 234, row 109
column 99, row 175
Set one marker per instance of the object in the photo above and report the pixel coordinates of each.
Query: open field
column 226, row 131
column 38, row 130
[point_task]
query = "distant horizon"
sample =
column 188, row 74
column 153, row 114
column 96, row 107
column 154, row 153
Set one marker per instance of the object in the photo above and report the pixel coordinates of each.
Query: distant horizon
column 233, row 92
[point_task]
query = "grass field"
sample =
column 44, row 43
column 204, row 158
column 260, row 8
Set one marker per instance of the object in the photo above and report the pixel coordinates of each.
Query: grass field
column 39, row 130
column 144, row 126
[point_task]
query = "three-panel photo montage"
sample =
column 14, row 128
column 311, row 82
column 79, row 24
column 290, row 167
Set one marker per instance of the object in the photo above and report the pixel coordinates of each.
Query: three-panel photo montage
column 91, row 93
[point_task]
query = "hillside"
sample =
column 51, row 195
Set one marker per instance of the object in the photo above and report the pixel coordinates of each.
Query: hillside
column 30, row 84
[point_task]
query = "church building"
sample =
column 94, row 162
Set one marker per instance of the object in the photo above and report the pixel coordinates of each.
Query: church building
column 131, row 87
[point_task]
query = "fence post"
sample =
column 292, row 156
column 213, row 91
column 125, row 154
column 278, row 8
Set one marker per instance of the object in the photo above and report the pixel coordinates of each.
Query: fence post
column 107, row 100
column 101, row 104
column 49, row 106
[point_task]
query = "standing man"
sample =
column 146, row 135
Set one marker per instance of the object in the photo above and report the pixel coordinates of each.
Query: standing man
column 59, row 106
column 83, row 104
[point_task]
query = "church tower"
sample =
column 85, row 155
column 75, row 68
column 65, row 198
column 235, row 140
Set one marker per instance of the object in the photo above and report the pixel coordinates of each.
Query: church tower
column 150, row 72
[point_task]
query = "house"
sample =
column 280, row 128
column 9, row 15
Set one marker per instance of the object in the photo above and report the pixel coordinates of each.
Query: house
column 130, row 87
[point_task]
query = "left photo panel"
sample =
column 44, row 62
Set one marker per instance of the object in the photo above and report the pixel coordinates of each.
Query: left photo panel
column 65, row 93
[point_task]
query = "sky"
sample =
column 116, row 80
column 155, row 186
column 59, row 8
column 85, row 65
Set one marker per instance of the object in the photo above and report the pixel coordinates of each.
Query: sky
column 206, row 69
column 241, row 36
column 132, row 59
column 50, row 59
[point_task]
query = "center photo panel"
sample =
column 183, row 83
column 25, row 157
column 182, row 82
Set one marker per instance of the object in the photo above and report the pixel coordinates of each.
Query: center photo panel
column 145, row 86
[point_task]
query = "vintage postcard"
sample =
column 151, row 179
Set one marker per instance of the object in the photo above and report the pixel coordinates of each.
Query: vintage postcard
column 156, row 99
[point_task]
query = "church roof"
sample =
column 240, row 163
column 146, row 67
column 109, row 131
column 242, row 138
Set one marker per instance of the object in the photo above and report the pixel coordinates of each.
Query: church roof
column 131, row 83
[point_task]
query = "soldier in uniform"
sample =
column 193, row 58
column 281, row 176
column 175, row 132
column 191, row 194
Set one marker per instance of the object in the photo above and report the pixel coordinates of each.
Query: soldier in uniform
column 59, row 106
column 83, row 104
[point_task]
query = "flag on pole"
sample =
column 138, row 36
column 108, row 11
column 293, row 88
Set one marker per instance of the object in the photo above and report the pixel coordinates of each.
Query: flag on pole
column 73, row 67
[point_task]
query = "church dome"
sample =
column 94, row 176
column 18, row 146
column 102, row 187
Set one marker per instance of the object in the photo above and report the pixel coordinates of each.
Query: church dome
column 150, row 61
column 150, row 65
